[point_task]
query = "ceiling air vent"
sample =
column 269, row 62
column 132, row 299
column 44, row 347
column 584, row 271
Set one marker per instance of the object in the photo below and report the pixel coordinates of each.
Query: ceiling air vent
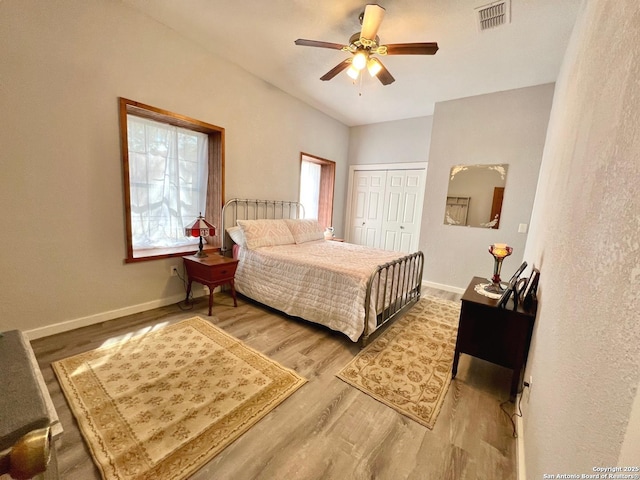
column 493, row 15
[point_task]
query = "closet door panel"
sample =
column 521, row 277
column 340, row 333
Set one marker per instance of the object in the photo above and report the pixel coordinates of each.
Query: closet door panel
column 394, row 207
column 409, row 208
column 406, row 243
column 367, row 207
column 386, row 208
column 402, row 196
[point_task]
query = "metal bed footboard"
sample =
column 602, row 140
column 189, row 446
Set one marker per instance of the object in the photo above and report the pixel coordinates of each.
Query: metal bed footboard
column 393, row 288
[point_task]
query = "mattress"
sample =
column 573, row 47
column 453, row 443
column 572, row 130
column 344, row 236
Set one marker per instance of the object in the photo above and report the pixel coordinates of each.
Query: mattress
column 321, row 281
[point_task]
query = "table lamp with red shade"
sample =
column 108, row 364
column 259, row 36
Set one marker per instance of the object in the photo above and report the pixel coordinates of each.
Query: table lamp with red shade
column 200, row 228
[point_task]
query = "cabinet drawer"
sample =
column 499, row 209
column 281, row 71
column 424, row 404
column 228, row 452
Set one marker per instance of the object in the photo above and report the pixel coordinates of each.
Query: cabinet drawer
column 222, row 273
column 211, row 270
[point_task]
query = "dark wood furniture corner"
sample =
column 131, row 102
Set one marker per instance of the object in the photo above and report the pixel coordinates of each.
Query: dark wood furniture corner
column 498, row 335
column 213, row 270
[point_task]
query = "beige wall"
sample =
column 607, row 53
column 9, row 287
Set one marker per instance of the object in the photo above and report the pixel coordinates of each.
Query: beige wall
column 504, row 127
column 585, row 233
column 64, row 64
column 401, row 141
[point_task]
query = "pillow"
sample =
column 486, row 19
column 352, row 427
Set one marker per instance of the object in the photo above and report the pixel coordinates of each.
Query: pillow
column 237, row 236
column 305, row 230
column 265, row 233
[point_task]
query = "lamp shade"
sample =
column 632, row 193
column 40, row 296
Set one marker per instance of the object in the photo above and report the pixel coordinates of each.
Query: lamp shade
column 200, row 228
column 500, row 250
column 359, row 60
column 353, row 72
column 374, row 66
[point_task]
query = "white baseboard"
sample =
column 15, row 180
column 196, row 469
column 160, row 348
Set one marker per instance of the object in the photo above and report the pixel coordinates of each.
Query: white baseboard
column 104, row 316
column 440, row 286
column 521, row 466
column 143, row 307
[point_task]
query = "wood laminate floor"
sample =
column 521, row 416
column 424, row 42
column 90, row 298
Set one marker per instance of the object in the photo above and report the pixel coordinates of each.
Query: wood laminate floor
column 327, row 429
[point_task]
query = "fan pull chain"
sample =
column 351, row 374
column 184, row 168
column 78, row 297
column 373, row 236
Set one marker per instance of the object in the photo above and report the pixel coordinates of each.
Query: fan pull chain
column 358, row 83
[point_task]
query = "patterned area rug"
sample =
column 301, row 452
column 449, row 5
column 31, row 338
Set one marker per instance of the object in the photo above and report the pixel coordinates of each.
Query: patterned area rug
column 409, row 366
column 162, row 404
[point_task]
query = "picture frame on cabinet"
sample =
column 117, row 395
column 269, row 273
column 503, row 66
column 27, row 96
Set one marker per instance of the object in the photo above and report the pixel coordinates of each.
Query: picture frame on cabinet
column 514, row 279
column 529, row 293
column 502, row 301
column 511, row 288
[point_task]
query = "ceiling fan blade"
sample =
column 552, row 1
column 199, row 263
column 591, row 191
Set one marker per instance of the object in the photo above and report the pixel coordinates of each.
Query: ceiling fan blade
column 336, row 70
column 426, row 48
column 373, row 15
column 384, row 76
column 316, row 43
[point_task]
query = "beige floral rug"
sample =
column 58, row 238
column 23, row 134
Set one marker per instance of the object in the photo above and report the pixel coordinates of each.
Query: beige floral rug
column 409, row 366
column 162, row 404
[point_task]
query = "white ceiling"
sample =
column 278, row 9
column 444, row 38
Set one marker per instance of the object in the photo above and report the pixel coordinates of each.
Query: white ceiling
column 259, row 36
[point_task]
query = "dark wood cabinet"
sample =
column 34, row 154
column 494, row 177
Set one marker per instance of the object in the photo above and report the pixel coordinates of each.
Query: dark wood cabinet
column 498, row 335
column 212, row 271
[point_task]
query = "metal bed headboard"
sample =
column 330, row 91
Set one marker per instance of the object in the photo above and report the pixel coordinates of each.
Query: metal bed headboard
column 252, row 209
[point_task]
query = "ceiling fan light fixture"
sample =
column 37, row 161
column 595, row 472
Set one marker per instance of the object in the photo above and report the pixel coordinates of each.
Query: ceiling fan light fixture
column 362, row 45
column 359, row 61
column 374, row 67
column 353, row 72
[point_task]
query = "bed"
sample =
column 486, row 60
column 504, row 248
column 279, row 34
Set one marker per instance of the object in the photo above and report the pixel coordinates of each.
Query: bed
column 286, row 263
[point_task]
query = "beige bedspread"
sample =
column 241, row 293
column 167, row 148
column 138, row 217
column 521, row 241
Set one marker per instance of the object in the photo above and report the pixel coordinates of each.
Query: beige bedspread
column 320, row 281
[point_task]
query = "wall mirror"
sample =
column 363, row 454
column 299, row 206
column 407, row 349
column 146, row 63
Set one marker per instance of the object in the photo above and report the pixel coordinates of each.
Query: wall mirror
column 474, row 196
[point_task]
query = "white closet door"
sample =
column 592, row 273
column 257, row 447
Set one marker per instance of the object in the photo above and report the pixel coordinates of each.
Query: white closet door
column 367, row 207
column 404, row 194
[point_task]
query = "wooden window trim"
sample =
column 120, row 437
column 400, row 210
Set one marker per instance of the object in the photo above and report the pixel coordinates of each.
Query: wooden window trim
column 327, row 186
column 215, row 185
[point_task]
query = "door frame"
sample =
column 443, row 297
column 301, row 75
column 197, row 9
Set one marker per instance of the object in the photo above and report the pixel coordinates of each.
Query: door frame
column 383, row 166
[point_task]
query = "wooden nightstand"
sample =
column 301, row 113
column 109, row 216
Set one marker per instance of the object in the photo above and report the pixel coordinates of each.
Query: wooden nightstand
column 498, row 335
column 213, row 270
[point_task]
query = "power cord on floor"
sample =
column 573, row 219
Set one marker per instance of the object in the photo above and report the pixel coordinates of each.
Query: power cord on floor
column 187, row 304
column 518, row 412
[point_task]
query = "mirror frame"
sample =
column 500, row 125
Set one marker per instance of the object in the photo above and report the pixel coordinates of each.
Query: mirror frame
column 476, row 198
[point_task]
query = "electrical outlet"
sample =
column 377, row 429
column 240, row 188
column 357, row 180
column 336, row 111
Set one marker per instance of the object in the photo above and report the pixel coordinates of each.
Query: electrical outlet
column 173, row 270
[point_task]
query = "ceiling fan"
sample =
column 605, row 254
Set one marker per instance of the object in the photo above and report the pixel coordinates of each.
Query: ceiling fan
column 366, row 43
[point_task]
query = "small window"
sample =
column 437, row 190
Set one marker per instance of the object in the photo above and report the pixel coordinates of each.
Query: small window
column 172, row 173
column 317, row 177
